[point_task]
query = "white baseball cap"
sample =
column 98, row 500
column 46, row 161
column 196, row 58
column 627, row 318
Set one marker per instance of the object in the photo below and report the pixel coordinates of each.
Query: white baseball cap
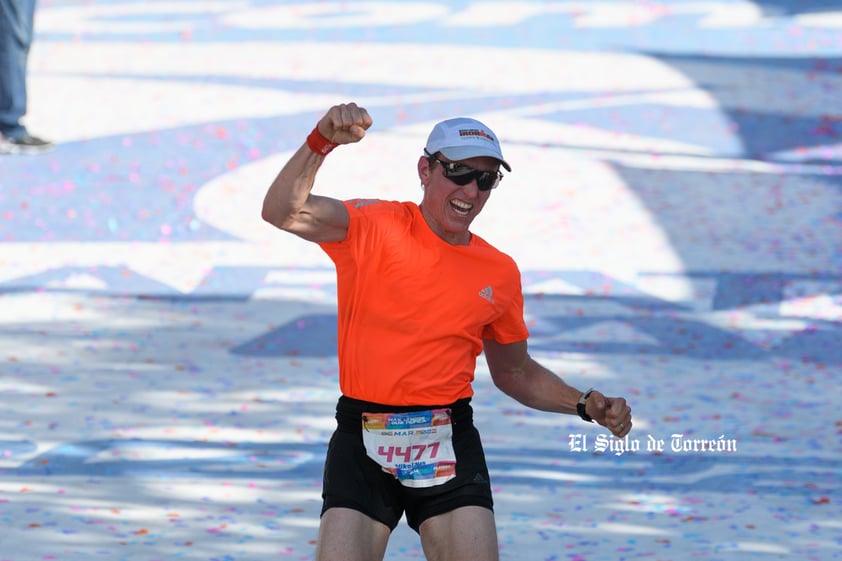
column 461, row 138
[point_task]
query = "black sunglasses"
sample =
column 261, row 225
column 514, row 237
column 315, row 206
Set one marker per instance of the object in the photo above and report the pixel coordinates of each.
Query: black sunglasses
column 460, row 174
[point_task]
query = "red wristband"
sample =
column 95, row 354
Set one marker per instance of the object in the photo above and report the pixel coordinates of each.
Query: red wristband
column 319, row 144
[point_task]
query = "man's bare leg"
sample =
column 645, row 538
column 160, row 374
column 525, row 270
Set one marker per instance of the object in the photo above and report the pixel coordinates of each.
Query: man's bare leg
column 466, row 534
column 349, row 535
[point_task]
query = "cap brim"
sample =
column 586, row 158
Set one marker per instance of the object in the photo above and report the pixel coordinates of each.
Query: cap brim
column 456, row 153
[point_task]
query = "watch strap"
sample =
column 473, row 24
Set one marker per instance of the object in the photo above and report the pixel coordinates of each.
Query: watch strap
column 580, row 406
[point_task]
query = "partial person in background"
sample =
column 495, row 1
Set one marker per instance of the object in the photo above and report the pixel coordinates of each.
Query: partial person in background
column 17, row 19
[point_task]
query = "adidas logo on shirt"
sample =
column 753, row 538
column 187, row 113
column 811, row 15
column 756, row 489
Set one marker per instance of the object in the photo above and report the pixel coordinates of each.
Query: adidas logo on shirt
column 487, row 293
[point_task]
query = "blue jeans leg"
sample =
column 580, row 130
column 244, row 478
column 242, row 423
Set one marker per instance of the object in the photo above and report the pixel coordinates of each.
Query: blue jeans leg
column 16, row 31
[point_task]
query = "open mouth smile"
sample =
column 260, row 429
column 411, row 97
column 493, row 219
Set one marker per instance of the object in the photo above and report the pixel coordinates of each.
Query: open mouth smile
column 460, row 207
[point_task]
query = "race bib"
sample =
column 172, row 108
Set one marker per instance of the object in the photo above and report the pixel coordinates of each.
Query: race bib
column 415, row 447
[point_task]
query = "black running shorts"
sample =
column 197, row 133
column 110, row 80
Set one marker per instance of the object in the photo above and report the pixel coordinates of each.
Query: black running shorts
column 353, row 480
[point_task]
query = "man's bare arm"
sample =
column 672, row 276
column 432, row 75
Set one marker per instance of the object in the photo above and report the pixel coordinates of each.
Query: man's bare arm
column 518, row 375
column 289, row 203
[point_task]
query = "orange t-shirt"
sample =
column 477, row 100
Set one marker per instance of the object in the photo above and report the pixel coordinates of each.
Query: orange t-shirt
column 413, row 309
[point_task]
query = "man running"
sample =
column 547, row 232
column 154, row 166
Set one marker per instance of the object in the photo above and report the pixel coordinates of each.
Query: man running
column 420, row 296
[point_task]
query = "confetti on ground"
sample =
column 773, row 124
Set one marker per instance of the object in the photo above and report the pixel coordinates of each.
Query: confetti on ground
column 168, row 366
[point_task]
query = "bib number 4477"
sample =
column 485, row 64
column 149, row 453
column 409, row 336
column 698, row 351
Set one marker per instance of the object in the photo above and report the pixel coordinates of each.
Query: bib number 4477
column 416, row 447
column 408, row 454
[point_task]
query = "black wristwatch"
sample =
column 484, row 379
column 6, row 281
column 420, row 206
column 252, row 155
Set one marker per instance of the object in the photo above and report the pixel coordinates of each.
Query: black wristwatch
column 580, row 407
